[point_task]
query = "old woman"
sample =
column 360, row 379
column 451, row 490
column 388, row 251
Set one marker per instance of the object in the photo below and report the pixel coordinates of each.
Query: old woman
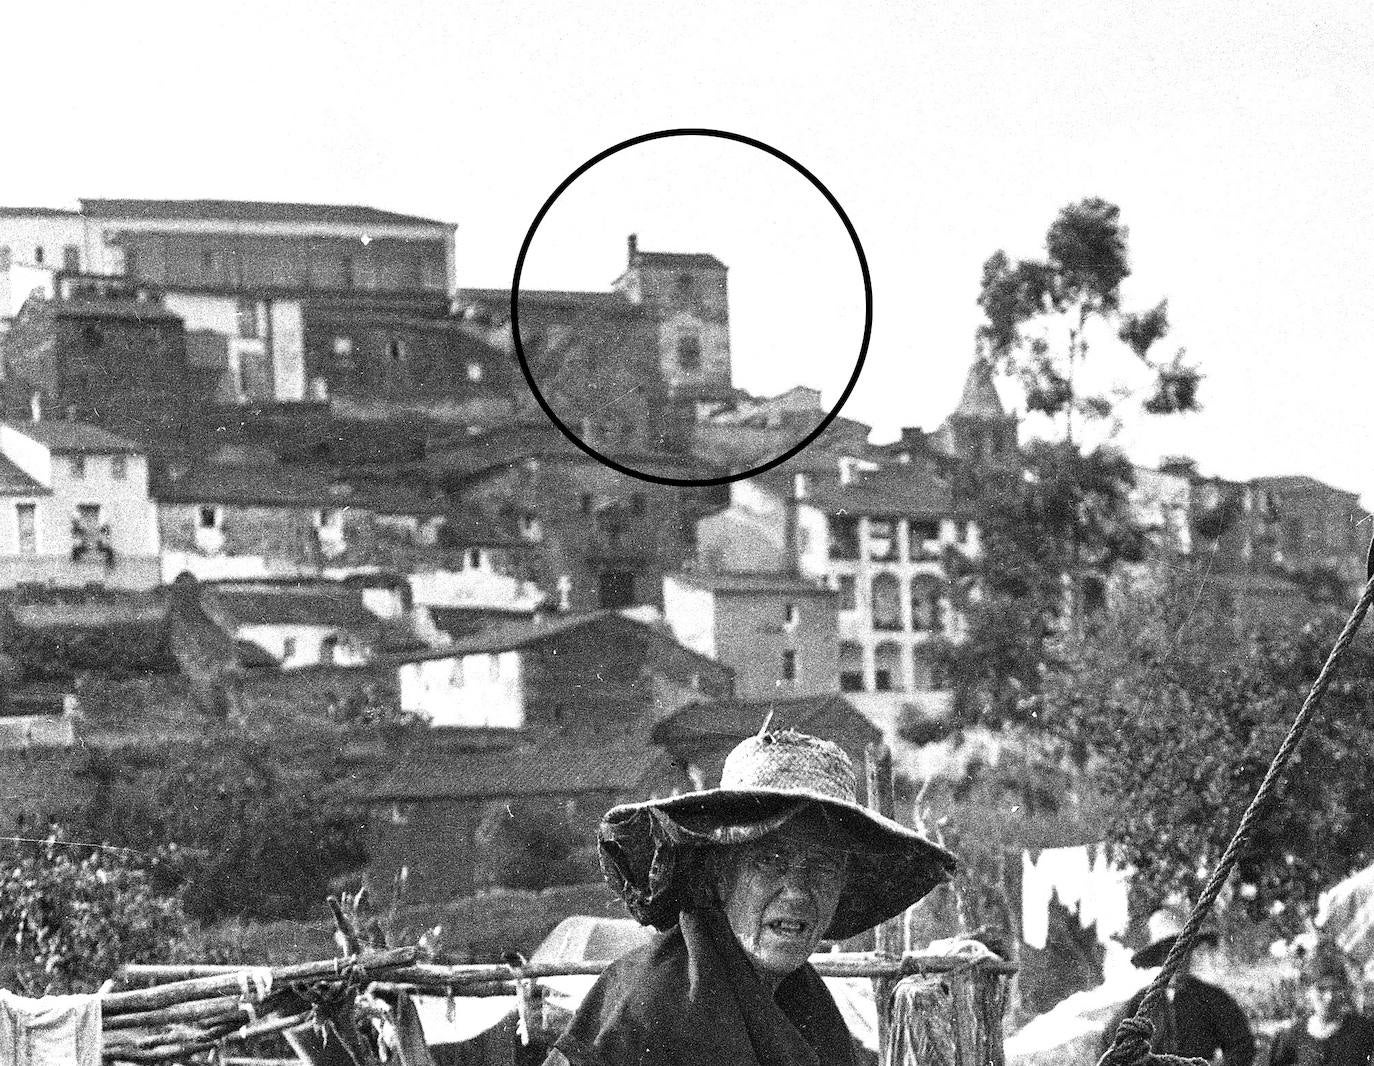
column 744, row 881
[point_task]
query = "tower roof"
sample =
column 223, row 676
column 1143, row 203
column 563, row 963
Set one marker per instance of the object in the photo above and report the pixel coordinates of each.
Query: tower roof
column 979, row 399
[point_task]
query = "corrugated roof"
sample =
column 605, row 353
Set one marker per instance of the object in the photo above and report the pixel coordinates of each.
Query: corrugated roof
column 527, row 771
column 14, row 482
column 289, row 486
column 250, row 211
column 721, row 581
column 735, row 720
column 68, row 436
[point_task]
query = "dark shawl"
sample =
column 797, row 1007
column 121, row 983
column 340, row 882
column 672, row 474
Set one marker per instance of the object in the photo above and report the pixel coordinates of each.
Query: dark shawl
column 1197, row 1021
column 1350, row 1045
column 692, row 998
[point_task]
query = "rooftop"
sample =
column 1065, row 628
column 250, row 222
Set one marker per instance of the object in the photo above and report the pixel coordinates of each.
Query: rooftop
column 722, row 581
column 295, row 485
column 678, row 259
column 14, row 482
column 910, row 489
column 250, row 211
column 309, row 606
column 81, row 437
column 527, row 771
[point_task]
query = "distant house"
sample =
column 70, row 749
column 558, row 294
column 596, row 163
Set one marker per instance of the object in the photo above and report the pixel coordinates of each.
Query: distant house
column 777, row 631
column 76, row 508
column 297, row 625
column 598, row 674
column 700, row 735
column 449, row 816
column 221, row 520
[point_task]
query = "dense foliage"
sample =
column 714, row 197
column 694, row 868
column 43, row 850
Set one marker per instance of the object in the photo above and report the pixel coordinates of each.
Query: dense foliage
column 1181, row 708
column 70, row 915
column 261, row 824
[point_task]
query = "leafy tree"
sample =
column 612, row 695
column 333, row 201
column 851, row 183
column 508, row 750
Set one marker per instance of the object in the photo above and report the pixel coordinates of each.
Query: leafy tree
column 1055, row 527
column 260, row 824
column 1180, row 708
column 70, row 915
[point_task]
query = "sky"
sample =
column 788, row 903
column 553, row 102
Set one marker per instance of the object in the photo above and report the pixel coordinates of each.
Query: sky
column 1235, row 136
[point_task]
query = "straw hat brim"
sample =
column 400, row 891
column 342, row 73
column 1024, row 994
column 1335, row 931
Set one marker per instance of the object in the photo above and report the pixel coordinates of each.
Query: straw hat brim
column 647, row 850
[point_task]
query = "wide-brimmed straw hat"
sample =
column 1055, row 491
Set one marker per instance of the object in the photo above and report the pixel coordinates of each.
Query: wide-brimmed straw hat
column 650, row 852
column 1164, row 926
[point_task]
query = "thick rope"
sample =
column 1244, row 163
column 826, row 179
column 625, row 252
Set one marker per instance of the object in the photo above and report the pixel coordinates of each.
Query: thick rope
column 1131, row 1044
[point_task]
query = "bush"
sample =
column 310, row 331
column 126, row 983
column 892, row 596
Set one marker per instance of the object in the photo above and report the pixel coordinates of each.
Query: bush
column 70, row 915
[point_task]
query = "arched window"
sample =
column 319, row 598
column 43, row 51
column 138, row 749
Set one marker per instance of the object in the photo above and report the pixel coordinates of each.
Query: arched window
column 851, row 667
column 887, row 602
column 887, row 668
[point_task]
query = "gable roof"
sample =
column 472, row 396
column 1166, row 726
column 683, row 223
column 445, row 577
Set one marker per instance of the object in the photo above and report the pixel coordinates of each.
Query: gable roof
column 341, row 609
column 731, row 721
column 526, row 771
column 64, row 436
column 910, row 489
column 250, row 211
column 14, row 482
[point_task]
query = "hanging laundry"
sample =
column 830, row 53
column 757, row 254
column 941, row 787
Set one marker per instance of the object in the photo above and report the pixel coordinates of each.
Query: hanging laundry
column 1085, row 882
column 52, row 1031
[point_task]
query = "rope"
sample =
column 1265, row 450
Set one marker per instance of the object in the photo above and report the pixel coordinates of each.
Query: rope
column 1131, row 1044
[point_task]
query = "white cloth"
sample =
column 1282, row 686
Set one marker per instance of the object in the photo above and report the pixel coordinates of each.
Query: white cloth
column 1085, row 881
column 52, row 1031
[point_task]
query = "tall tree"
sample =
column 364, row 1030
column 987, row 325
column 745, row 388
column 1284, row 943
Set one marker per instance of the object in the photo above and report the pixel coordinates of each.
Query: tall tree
column 1056, row 526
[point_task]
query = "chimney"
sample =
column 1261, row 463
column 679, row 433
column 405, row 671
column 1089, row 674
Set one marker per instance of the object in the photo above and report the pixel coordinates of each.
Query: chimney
column 632, row 243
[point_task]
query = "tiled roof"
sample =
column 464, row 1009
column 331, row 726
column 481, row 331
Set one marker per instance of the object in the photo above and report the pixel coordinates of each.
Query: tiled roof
column 250, row 211
column 14, row 482
column 138, row 310
column 342, row 609
column 722, row 581
column 289, row 486
column 828, row 717
column 909, row 490
column 502, row 447
column 67, row 436
column 526, row 771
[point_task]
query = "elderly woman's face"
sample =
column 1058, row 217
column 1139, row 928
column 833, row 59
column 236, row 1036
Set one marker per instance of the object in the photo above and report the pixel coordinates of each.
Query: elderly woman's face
column 779, row 895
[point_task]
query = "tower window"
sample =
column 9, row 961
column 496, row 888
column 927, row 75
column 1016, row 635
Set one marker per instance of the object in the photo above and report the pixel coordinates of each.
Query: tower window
column 689, row 352
column 789, row 665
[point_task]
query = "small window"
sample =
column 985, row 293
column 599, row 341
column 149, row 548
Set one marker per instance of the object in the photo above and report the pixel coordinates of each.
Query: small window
column 789, row 615
column 849, row 599
column 38, row 254
column 288, row 648
column 474, row 558
column 5, row 257
column 343, row 346
column 587, row 503
column 475, row 371
column 684, row 286
column 248, row 319
column 119, row 467
column 26, row 528
column 71, row 258
column 396, row 350
column 689, row 352
column 789, row 665
column 77, row 465
column 346, row 271
column 209, row 518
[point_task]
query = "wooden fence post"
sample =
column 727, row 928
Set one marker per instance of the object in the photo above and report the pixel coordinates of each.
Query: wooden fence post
column 889, row 936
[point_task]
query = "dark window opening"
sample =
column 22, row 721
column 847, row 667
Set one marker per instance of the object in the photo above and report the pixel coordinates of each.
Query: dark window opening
column 617, row 589
column 789, row 665
column 851, row 681
column 689, row 352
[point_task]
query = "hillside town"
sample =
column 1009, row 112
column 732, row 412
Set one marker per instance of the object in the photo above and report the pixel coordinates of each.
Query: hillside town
column 267, row 470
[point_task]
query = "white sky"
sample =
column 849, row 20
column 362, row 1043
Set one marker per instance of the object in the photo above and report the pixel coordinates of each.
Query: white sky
column 1235, row 136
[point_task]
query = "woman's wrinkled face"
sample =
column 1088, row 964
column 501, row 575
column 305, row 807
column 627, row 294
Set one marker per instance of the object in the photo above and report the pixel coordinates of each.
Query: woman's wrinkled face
column 779, row 895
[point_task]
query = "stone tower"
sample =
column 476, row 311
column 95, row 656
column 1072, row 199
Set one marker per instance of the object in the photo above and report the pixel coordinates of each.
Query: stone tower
column 688, row 291
column 979, row 429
